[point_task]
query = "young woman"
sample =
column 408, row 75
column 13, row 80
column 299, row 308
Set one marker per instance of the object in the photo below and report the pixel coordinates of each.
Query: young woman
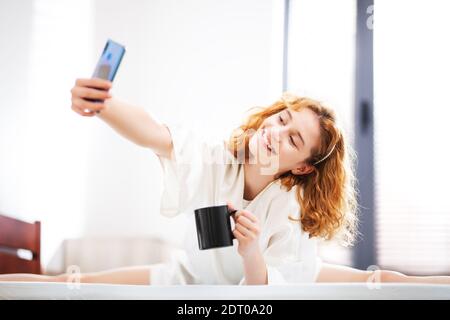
column 287, row 169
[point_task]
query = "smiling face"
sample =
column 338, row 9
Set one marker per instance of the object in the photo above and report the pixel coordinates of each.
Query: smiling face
column 285, row 140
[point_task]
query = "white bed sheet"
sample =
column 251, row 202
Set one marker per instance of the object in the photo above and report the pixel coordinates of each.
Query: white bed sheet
column 360, row 291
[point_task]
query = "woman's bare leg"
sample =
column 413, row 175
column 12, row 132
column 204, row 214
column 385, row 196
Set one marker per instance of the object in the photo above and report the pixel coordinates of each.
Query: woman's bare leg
column 392, row 276
column 30, row 277
column 137, row 275
column 338, row 273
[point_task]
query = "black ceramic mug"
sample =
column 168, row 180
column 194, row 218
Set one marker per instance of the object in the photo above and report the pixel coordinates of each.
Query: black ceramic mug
column 214, row 227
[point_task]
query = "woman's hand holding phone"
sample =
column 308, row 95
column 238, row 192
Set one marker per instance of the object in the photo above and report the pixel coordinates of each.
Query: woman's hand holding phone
column 89, row 95
column 93, row 89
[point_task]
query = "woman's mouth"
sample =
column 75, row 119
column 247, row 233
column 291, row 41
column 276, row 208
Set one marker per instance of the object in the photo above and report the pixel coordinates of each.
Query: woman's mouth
column 266, row 141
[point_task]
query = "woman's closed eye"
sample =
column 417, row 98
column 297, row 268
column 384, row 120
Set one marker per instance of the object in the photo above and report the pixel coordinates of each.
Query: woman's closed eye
column 291, row 140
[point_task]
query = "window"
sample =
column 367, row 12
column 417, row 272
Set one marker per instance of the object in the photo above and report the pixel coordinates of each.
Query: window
column 411, row 69
column 320, row 65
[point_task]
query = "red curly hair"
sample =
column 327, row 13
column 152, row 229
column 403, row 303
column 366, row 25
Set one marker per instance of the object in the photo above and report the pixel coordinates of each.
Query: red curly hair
column 327, row 195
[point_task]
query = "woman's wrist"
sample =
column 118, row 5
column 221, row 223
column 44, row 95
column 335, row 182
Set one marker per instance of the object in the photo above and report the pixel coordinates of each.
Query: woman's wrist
column 255, row 269
column 252, row 256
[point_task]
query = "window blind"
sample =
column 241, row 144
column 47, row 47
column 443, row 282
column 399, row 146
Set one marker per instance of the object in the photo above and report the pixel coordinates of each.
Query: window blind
column 412, row 157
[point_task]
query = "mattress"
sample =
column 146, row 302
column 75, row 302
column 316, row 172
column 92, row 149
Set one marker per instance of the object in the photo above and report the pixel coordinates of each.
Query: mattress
column 360, row 291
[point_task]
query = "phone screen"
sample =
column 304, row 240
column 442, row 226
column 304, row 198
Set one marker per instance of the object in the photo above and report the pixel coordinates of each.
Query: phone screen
column 109, row 61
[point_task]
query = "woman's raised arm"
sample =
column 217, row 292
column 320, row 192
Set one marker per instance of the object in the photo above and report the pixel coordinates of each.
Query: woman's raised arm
column 132, row 122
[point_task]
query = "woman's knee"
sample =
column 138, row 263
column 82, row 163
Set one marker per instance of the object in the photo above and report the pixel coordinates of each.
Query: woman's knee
column 392, row 276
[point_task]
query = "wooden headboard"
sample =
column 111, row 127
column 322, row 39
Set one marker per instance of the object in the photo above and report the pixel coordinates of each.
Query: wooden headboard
column 17, row 235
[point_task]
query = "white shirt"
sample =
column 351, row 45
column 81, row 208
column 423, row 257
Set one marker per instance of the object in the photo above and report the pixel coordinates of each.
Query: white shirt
column 245, row 203
column 204, row 173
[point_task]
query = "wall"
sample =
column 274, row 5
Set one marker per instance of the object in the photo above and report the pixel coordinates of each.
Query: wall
column 203, row 62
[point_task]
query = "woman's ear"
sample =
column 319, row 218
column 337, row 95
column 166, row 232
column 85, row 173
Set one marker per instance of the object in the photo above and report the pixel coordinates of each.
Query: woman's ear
column 302, row 169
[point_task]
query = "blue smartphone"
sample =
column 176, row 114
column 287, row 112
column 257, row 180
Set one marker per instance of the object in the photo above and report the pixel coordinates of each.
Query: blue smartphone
column 109, row 61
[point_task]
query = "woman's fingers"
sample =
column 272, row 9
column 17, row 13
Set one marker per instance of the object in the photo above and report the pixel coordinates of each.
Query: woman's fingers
column 230, row 206
column 82, row 112
column 83, row 104
column 90, row 89
column 94, row 83
column 246, row 223
column 246, row 219
column 85, row 92
column 244, row 231
column 250, row 216
column 238, row 235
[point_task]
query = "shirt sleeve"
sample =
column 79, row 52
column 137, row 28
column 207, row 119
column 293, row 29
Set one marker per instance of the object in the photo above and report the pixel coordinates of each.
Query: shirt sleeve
column 187, row 174
column 290, row 256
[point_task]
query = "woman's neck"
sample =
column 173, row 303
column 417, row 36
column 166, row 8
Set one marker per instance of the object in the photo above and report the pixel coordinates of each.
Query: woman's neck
column 254, row 181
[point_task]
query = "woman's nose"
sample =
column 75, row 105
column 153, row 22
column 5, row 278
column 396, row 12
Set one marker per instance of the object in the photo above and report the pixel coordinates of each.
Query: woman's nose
column 277, row 133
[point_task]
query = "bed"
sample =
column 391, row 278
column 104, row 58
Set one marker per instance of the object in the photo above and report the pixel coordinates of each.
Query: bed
column 361, row 291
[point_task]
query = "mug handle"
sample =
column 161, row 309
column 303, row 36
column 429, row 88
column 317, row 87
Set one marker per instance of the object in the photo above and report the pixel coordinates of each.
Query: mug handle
column 231, row 212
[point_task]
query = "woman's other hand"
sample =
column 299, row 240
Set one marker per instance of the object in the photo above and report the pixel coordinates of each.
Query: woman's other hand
column 246, row 232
